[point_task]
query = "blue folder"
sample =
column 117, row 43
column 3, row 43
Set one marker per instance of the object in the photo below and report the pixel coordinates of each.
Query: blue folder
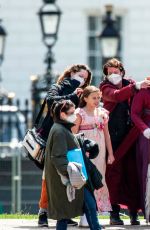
column 75, row 155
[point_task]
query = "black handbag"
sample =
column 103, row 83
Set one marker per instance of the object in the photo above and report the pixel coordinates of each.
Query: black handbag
column 33, row 144
column 96, row 176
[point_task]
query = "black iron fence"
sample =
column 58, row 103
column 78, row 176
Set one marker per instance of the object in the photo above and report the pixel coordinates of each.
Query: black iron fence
column 12, row 113
column 20, row 180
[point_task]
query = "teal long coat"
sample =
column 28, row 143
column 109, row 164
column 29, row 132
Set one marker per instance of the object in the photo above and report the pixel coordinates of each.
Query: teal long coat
column 60, row 140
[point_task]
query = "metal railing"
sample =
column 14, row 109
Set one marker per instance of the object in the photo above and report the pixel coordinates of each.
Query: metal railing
column 13, row 123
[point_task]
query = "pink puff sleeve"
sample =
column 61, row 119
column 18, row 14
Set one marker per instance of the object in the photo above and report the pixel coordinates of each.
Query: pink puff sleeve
column 104, row 115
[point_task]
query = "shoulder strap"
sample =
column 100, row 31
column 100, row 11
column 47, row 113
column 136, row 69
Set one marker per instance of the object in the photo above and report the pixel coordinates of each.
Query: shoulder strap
column 40, row 113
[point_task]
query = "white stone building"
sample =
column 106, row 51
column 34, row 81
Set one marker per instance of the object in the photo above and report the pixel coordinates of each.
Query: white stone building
column 80, row 22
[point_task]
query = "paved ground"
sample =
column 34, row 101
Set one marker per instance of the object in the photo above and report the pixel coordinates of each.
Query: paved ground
column 21, row 224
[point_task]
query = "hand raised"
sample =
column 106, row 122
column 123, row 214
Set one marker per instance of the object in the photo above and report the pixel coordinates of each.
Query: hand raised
column 145, row 83
column 78, row 91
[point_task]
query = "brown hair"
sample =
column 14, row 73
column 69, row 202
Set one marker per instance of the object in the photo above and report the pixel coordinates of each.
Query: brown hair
column 86, row 92
column 74, row 69
column 113, row 63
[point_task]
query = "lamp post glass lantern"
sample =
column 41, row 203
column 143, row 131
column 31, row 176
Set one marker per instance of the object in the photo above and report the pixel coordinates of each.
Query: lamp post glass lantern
column 49, row 15
column 2, row 42
column 109, row 36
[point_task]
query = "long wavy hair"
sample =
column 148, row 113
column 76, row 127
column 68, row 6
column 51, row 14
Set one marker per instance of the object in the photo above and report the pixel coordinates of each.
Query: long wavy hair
column 86, row 92
column 74, row 69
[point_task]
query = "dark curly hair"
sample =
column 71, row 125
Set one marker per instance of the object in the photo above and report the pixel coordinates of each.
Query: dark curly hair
column 74, row 69
column 113, row 63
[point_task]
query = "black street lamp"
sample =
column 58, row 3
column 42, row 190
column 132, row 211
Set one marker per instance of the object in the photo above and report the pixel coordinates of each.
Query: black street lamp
column 109, row 36
column 49, row 15
column 2, row 45
column 2, row 42
column 36, row 98
column 3, row 93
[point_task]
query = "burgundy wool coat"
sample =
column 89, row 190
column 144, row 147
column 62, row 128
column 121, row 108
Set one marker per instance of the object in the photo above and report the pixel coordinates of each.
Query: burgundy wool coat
column 121, row 176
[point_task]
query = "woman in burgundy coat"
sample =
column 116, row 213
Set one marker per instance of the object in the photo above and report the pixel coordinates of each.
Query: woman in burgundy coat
column 121, row 176
column 141, row 117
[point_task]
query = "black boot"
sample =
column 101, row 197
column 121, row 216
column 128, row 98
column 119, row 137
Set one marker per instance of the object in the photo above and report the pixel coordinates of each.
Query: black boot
column 114, row 216
column 43, row 220
column 134, row 218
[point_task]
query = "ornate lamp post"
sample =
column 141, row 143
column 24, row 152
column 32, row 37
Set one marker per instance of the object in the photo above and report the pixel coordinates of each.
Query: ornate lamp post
column 2, row 48
column 49, row 15
column 2, row 42
column 35, row 95
column 109, row 36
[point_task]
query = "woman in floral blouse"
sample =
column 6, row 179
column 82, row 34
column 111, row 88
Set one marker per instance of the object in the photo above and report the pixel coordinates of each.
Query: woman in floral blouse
column 93, row 122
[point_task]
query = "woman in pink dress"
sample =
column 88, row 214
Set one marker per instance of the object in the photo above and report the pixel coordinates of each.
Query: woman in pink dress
column 93, row 122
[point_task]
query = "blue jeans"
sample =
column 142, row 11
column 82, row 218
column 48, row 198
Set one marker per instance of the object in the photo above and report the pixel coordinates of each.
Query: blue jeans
column 61, row 224
column 89, row 208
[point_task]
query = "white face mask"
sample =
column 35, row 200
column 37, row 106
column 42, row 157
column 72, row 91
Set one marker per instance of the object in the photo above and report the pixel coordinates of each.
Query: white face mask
column 78, row 78
column 71, row 118
column 114, row 78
